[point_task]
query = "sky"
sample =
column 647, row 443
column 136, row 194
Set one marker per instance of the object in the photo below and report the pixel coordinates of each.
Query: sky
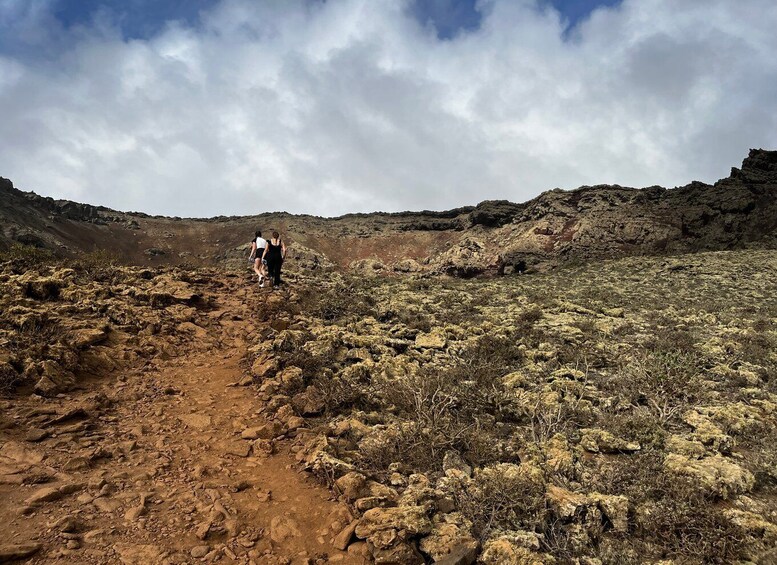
column 233, row 107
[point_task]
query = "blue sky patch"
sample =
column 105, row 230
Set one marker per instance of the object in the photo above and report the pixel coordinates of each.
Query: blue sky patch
column 451, row 17
column 145, row 18
column 135, row 18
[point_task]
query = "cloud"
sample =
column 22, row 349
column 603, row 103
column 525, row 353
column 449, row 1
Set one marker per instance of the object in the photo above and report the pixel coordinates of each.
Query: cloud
column 353, row 105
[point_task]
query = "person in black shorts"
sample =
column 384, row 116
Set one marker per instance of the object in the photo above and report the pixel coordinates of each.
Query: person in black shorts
column 274, row 254
column 257, row 250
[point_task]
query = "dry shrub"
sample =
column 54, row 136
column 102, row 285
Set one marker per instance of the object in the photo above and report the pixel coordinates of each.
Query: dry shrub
column 429, row 405
column 500, row 499
column 352, row 298
column 23, row 257
column 640, row 424
column 761, row 450
column 674, row 517
column 529, row 317
column 666, row 337
column 455, row 310
column 341, row 394
column 9, row 378
column 98, row 265
column 757, row 347
column 666, row 382
column 414, row 319
column 450, row 408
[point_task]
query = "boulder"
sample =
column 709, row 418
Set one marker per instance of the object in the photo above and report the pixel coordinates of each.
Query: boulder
column 352, row 485
column 615, row 509
column 460, row 555
column 343, row 539
column 83, row 338
column 41, row 288
column 453, row 460
column 291, row 379
column 264, row 367
column 308, row 403
column 46, row 494
column 283, row 528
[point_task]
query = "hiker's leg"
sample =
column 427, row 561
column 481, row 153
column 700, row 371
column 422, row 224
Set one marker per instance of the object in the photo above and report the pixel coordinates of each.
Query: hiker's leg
column 258, row 267
column 278, row 272
column 271, row 266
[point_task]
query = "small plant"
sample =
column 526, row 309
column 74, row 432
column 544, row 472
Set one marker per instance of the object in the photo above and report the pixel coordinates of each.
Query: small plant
column 664, row 381
column 97, row 265
column 25, row 257
column 503, row 497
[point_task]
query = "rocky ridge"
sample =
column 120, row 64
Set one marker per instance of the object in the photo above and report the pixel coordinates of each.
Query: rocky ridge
column 493, row 237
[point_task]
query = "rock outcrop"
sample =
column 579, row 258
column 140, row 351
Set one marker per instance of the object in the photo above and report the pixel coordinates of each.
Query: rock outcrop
column 494, row 237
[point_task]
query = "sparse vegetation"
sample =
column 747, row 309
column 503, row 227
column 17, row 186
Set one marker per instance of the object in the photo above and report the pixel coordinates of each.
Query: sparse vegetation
column 586, row 379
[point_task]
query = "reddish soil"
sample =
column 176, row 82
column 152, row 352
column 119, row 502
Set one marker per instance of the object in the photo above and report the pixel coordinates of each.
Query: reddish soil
column 149, row 467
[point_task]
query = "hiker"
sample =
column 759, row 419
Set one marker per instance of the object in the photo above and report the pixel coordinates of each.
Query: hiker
column 258, row 246
column 274, row 254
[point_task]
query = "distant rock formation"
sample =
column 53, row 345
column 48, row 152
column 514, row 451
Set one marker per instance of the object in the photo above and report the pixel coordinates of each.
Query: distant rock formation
column 494, row 237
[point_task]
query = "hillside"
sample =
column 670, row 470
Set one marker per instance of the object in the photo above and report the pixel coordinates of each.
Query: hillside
column 492, row 237
column 616, row 413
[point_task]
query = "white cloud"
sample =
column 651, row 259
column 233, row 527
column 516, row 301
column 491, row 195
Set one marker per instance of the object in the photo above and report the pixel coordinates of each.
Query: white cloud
column 352, row 105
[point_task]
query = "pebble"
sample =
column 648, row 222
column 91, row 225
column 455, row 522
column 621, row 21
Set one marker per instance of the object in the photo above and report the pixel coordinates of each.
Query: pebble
column 199, row 551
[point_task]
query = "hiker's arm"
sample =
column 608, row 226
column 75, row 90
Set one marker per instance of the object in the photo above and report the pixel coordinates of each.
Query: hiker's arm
column 266, row 247
column 283, row 250
column 253, row 250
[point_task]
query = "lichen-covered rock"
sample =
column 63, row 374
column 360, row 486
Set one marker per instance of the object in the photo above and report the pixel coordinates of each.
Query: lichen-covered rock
column 597, row 440
column 309, row 403
column 290, row 379
column 717, row 475
column 352, row 485
column 264, row 367
column 444, row 538
column 412, row 520
column 688, row 448
column 435, row 339
column 317, row 456
column 401, row 553
column 615, row 508
column 565, row 503
column 707, row 432
column 753, row 524
column 453, row 460
column 41, row 288
column 505, row 551
column 558, row 456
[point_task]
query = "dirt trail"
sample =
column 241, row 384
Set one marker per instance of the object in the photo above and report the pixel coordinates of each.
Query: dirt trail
column 149, row 466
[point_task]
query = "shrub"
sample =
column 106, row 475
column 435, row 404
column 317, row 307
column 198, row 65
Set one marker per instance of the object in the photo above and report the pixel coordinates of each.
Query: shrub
column 97, row 265
column 329, row 303
column 503, row 497
column 673, row 516
column 664, row 381
column 26, row 256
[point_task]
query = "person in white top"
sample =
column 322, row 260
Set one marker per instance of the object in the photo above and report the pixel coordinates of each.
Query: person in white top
column 257, row 250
